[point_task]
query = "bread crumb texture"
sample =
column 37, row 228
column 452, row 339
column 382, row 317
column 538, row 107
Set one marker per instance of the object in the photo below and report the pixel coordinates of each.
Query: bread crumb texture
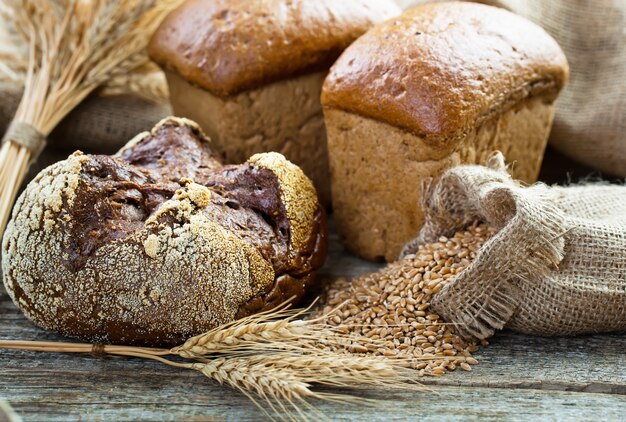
column 285, row 117
column 379, row 171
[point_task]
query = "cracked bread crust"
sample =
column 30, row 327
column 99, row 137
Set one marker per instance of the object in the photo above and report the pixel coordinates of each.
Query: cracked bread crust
column 285, row 117
column 128, row 249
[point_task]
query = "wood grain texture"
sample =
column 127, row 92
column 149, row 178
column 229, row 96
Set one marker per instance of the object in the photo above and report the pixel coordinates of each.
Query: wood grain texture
column 519, row 377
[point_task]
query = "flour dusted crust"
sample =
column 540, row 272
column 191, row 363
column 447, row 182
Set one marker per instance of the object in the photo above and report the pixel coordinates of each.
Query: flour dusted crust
column 295, row 187
column 126, row 249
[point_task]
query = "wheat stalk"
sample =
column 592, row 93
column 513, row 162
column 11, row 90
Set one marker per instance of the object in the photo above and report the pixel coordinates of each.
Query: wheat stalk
column 251, row 333
column 147, row 82
column 13, row 57
column 265, row 358
column 339, row 370
column 74, row 46
column 278, row 324
column 283, row 391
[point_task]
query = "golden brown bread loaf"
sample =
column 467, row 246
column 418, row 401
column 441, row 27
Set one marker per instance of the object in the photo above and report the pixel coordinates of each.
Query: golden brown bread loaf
column 440, row 85
column 128, row 249
column 250, row 72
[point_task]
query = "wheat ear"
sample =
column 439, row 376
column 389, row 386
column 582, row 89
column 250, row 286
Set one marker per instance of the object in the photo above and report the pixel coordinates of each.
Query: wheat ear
column 279, row 371
column 278, row 329
column 147, row 82
column 280, row 323
column 73, row 48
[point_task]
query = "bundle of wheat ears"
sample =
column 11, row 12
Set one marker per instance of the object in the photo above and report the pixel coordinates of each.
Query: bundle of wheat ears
column 273, row 357
column 73, row 47
column 147, row 81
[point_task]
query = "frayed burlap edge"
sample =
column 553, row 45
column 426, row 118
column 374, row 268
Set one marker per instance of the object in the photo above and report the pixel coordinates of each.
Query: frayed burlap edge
column 527, row 248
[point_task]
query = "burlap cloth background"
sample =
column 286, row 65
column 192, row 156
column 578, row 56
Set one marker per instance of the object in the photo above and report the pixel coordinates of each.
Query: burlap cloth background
column 101, row 124
column 557, row 265
column 590, row 123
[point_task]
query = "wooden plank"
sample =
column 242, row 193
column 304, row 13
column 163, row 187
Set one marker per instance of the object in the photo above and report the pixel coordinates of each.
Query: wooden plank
column 518, row 377
column 178, row 397
column 589, row 363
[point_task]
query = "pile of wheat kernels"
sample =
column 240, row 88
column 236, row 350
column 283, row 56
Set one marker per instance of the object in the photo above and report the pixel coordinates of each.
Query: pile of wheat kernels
column 391, row 306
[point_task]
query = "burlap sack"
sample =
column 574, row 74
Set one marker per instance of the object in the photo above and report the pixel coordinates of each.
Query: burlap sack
column 590, row 122
column 557, row 265
column 101, row 124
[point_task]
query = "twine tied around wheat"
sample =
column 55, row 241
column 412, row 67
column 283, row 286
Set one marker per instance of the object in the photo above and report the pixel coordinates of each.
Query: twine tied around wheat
column 21, row 143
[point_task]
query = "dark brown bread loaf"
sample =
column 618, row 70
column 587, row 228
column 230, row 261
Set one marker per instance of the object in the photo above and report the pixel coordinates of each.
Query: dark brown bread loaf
column 440, row 85
column 229, row 46
column 250, row 72
column 128, row 249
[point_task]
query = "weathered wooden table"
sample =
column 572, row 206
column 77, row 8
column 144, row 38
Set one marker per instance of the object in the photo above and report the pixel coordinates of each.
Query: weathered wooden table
column 518, row 377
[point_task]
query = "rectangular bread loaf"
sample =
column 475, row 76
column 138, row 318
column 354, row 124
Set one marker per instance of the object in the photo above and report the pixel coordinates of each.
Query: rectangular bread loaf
column 250, row 72
column 441, row 85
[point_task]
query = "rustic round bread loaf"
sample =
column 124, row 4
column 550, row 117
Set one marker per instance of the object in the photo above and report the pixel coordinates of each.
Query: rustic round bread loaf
column 128, row 249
